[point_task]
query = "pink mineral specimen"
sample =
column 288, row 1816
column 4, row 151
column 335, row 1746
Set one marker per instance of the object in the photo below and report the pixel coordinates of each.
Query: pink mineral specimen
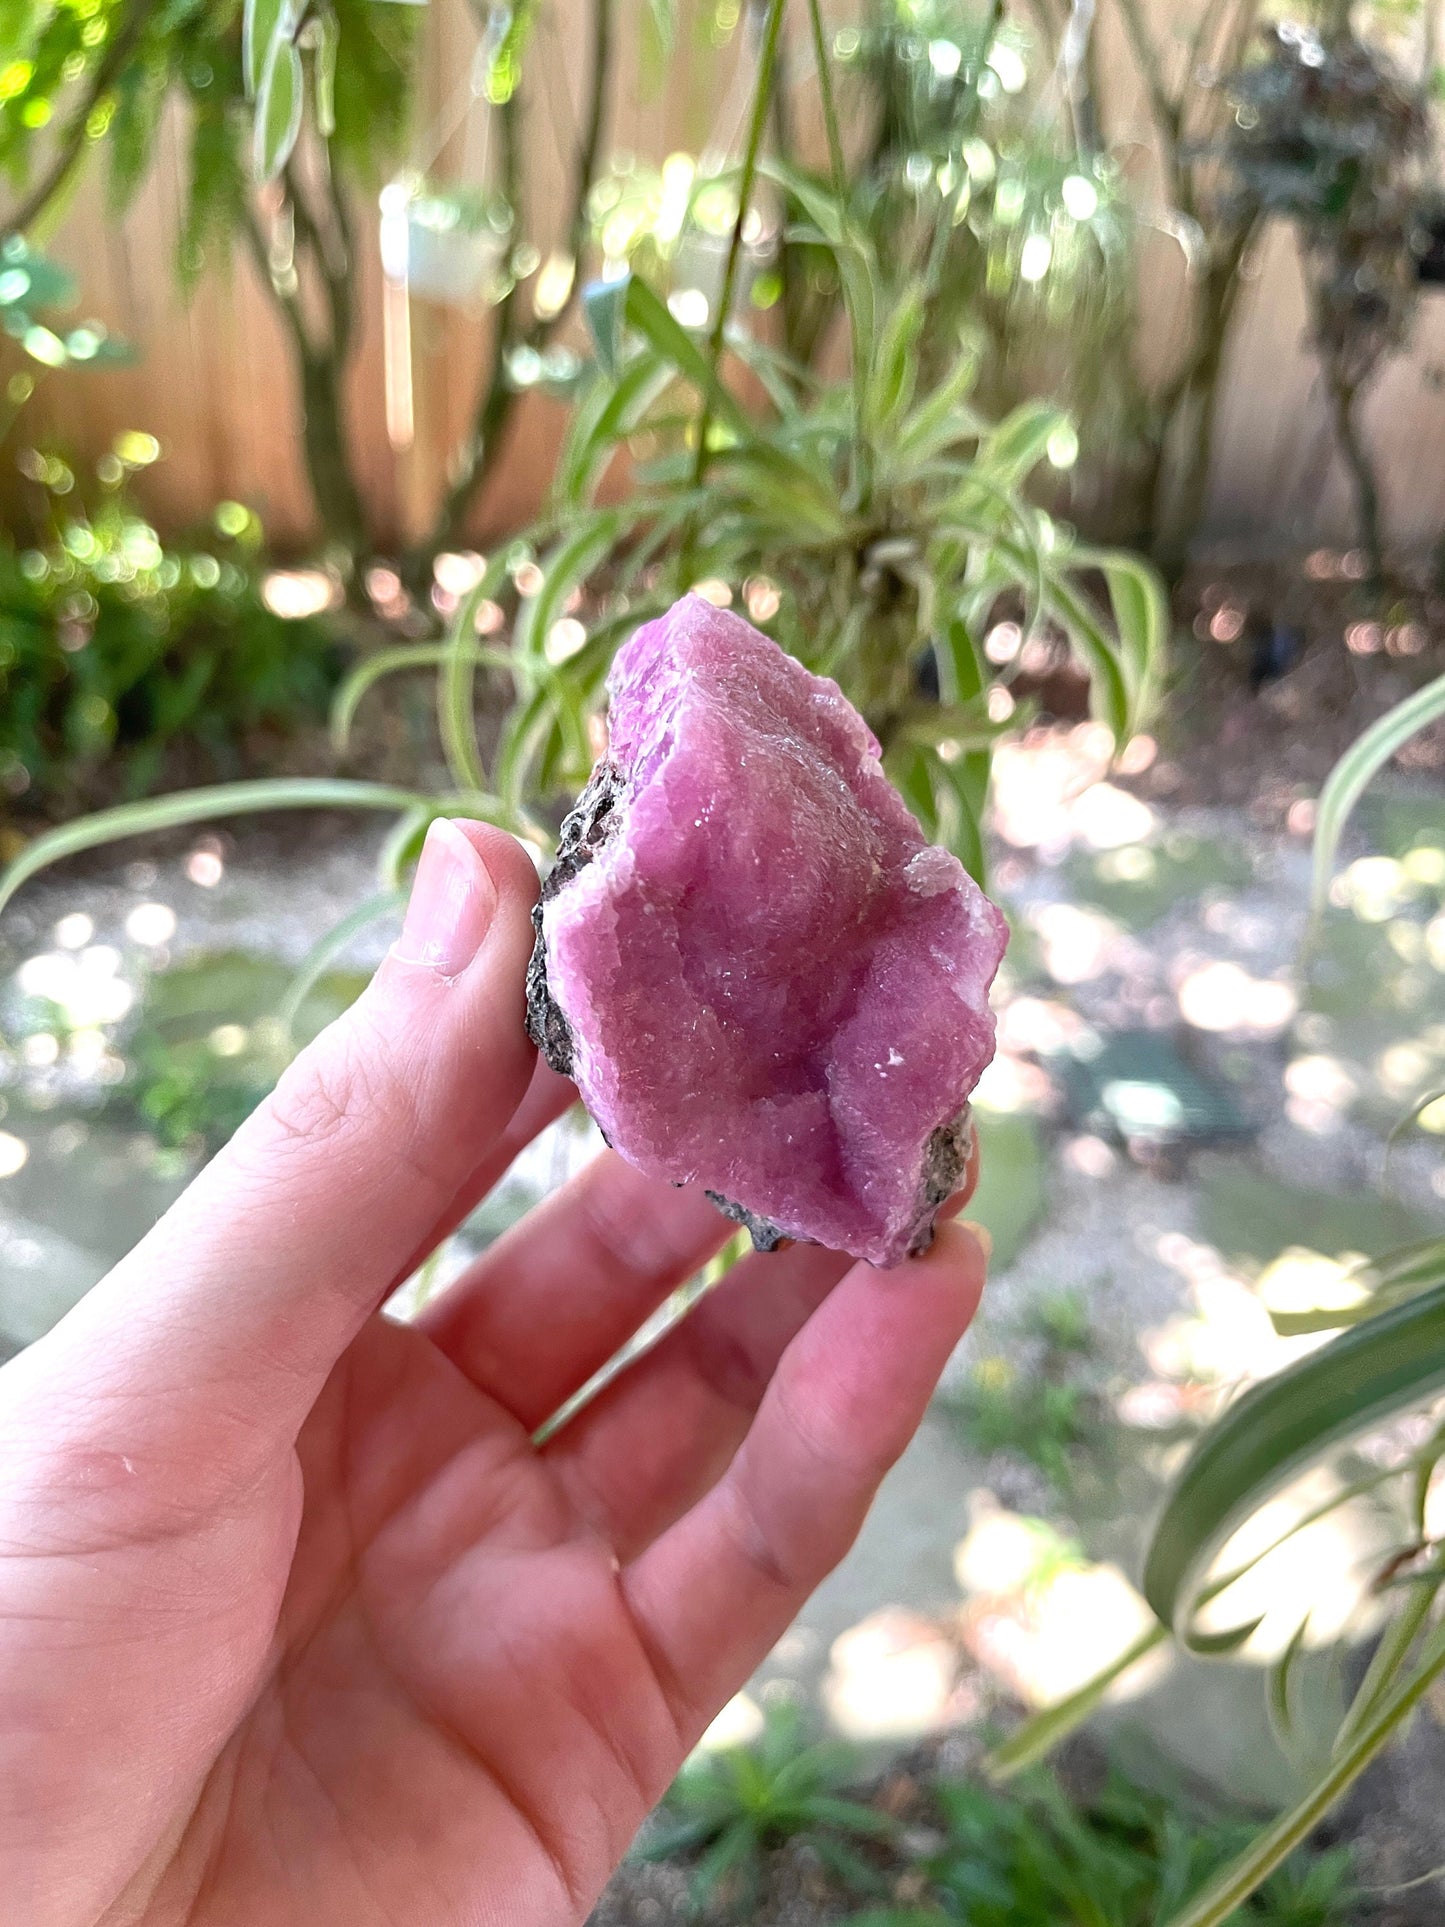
column 761, row 977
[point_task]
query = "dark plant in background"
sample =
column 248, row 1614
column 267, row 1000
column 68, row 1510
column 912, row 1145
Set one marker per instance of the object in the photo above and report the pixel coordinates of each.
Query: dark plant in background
column 967, row 130
column 1326, row 137
column 1123, row 1857
column 727, row 1810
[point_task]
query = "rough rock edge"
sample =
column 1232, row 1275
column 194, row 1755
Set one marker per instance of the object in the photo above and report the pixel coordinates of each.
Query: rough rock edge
column 766, row 1235
column 586, row 831
column 945, row 1159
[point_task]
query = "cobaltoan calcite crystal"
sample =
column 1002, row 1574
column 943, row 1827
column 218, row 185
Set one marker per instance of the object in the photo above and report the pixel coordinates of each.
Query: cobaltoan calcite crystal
column 762, row 978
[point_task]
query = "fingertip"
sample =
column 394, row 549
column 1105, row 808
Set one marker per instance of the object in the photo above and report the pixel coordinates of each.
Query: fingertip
column 957, row 1262
column 507, row 860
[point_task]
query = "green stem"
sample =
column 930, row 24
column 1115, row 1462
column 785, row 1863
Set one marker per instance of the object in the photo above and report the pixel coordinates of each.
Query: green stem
column 830, row 109
column 767, row 67
column 1224, row 1895
column 1389, row 1656
column 329, row 471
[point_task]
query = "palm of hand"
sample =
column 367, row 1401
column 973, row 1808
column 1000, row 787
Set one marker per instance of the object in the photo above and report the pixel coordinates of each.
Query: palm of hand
column 296, row 1625
column 454, row 1676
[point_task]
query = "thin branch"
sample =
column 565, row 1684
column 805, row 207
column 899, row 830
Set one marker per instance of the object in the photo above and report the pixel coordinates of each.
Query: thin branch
column 590, row 144
column 1164, row 107
column 286, row 299
column 73, row 140
column 497, row 397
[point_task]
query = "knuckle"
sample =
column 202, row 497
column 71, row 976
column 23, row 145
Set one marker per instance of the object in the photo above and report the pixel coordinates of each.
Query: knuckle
column 775, row 1563
column 325, row 1094
column 341, row 1091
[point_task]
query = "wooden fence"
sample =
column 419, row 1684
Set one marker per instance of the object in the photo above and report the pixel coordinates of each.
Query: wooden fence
column 212, row 379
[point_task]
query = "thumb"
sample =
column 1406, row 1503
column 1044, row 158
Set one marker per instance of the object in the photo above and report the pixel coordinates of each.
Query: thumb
column 232, row 1311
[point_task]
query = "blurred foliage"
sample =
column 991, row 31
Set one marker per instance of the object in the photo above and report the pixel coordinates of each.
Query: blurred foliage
column 1326, row 136
column 101, row 71
column 1141, row 882
column 870, row 524
column 1035, row 1396
column 34, row 293
column 1039, row 255
column 115, row 650
column 206, row 1044
column 1125, row 1856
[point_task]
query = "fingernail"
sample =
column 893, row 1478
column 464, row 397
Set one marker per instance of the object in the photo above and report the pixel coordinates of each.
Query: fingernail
column 452, row 900
column 980, row 1234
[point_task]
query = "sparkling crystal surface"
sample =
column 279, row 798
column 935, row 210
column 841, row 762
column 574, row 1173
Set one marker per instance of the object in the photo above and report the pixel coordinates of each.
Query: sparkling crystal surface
column 762, row 978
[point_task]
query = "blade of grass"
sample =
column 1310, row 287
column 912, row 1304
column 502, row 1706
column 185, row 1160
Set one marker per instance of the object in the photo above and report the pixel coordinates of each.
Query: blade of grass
column 201, row 806
column 1356, row 770
column 1043, row 1732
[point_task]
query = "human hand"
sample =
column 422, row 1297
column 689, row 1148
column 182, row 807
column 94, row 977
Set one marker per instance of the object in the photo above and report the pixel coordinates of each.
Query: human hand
column 296, row 1625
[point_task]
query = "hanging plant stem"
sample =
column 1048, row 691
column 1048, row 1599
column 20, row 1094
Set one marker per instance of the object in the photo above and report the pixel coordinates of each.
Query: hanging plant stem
column 498, row 398
column 757, row 121
column 836, row 165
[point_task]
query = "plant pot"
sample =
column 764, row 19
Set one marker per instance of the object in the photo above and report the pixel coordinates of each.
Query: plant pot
column 448, row 245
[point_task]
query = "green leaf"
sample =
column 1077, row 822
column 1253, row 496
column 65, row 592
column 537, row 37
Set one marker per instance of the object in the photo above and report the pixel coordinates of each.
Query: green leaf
column 662, row 19
column 1109, row 686
column 852, row 251
column 613, row 306
column 391, row 662
column 1039, row 1735
column 263, row 22
column 940, row 420
column 1390, row 1656
column 1279, row 1696
column 456, row 709
column 200, row 806
column 1016, row 447
column 891, row 380
column 564, row 568
column 1354, row 772
column 401, row 846
column 1279, row 1428
column 1392, row 1279
column 610, row 410
column 1141, row 617
column 605, row 305
column 328, row 43
column 278, row 112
